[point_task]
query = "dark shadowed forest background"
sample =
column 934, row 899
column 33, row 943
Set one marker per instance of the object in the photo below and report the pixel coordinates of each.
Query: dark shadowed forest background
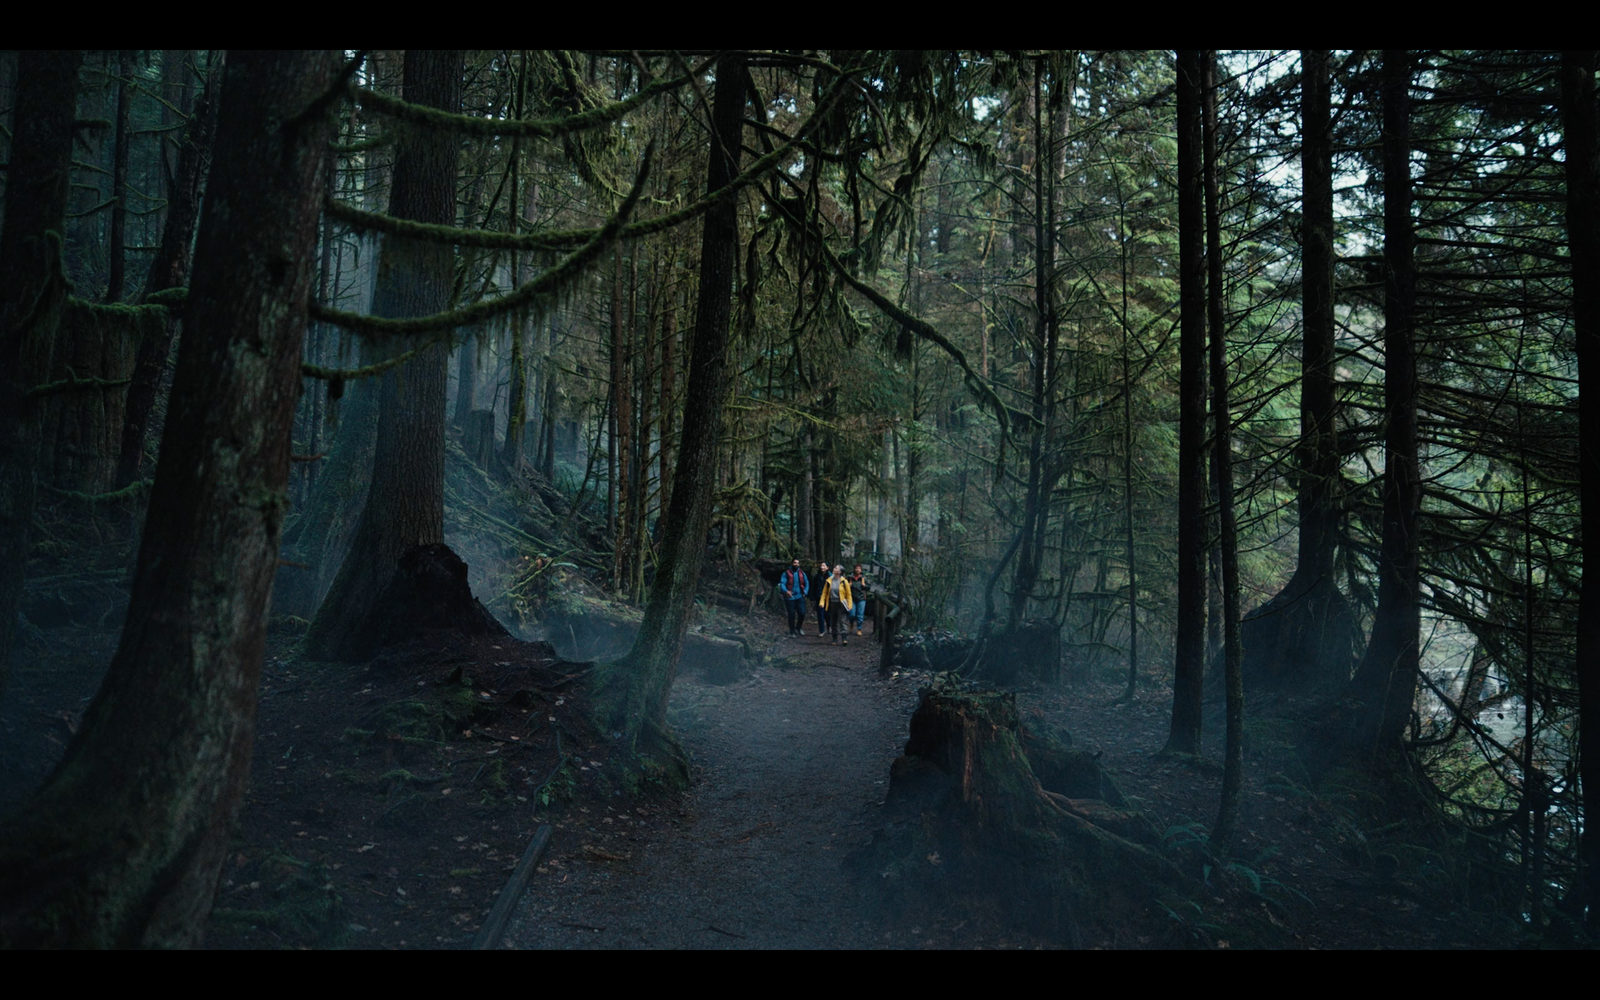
column 1207, row 425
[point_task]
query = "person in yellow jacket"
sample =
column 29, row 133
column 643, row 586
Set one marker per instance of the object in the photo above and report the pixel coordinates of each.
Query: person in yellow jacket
column 837, row 602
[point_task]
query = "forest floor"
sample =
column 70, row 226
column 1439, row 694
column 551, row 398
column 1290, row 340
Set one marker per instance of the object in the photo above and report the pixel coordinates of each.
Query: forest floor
column 789, row 768
column 390, row 803
column 1304, row 872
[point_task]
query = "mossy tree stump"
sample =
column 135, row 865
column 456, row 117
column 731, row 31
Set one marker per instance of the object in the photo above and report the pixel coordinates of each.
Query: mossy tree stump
column 1011, row 825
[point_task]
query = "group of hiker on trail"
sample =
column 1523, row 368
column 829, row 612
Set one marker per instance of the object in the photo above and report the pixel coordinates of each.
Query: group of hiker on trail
column 840, row 599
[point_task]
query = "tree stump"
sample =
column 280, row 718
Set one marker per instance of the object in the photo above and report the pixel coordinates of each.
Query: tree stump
column 971, row 823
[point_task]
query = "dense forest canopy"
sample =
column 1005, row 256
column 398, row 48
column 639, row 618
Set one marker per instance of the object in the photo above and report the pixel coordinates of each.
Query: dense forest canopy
column 1229, row 373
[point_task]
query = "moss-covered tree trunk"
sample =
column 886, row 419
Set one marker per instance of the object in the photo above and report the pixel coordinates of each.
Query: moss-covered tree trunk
column 632, row 693
column 33, row 291
column 124, row 844
column 405, row 499
column 80, row 433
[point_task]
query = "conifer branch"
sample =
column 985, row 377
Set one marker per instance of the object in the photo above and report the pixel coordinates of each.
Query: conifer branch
column 548, row 284
column 537, row 128
column 74, row 384
column 986, row 395
column 488, row 239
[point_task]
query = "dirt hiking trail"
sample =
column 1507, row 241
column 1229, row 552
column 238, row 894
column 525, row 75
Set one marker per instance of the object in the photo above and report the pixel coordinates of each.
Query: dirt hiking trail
column 789, row 769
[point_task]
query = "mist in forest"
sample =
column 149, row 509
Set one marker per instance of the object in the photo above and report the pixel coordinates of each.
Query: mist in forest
column 422, row 471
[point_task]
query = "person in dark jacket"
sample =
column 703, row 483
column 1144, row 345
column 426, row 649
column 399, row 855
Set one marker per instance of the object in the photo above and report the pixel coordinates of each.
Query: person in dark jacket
column 822, row 611
column 858, row 591
column 794, row 586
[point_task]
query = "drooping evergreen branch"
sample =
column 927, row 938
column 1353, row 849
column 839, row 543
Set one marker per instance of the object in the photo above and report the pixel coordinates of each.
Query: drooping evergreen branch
column 550, row 283
column 987, row 396
column 536, row 128
column 485, row 239
column 365, row 145
column 115, row 316
column 172, row 298
column 74, row 384
column 365, row 371
column 133, row 489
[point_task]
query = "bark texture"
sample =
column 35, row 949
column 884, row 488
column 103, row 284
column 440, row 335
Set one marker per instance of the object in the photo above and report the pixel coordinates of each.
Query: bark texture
column 80, row 433
column 405, row 501
column 124, row 844
column 33, row 292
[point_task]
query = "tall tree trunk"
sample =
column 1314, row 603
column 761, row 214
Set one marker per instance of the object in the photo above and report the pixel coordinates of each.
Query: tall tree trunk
column 632, row 693
column 169, row 269
column 1129, row 549
column 1049, row 145
column 881, row 541
column 1386, row 682
column 117, row 251
column 1190, row 641
column 467, row 377
column 807, row 542
column 1319, row 516
column 547, row 451
column 622, row 421
column 1303, row 636
column 321, row 535
column 123, row 846
column 1222, row 458
column 79, row 432
column 33, row 293
column 405, row 501
column 1027, row 571
column 638, row 522
column 669, row 372
column 517, row 401
column 1578, row 113
column 317, row 337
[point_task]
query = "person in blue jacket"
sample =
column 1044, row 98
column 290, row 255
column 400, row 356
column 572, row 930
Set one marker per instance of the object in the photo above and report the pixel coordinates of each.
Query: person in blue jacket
column 794, row 586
